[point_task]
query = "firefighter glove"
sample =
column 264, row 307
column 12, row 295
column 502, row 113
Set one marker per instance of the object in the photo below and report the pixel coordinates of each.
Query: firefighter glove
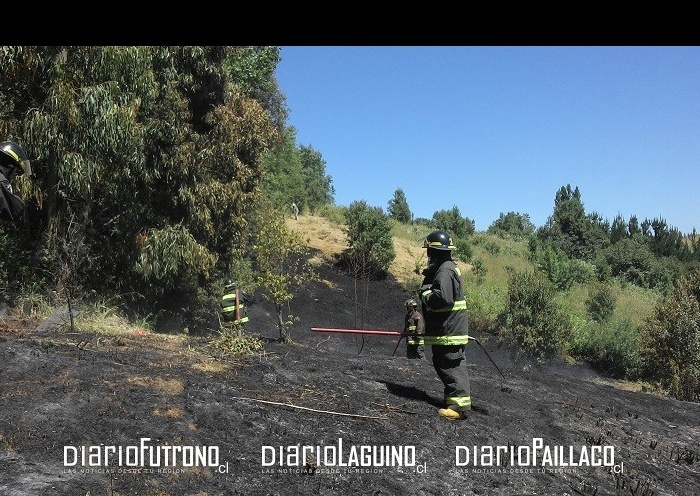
column 425, row 295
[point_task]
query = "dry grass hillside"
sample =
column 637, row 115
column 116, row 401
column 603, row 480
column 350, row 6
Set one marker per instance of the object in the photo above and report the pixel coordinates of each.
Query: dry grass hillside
column 320, row 234
column 327, row 240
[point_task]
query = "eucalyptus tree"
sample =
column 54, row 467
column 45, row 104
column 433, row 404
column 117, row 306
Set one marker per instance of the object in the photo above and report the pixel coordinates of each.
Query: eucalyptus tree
column 156, row 151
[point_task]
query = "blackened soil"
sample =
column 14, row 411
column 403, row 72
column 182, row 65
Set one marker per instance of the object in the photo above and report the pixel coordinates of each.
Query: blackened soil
column 335, row 394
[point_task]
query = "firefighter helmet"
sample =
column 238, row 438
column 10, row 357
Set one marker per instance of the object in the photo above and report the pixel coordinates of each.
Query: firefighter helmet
column 438, row 240
column 411, row 303
column 230, row 285
column 17, row 157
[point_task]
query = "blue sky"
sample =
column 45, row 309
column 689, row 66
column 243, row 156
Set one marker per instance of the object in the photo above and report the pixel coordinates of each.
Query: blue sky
column 500, row 129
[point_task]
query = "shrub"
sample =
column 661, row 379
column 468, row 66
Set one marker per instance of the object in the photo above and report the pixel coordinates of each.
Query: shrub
column 633, row 260
column 483, row 308
column 513, row 224
column 230, row 343
column 492, row 248
column 463, row 251
column 370, row 246
column 600, row 304
column 557, row 266
column 612, row 347
column 532, row 318
column 582, row 271
column 479, row 268
column 602, row 269
column 671, row 340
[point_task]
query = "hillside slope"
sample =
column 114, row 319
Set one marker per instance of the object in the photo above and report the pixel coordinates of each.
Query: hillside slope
column 341, row 397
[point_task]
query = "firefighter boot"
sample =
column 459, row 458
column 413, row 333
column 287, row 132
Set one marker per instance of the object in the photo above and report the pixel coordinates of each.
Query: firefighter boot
column 450, row 414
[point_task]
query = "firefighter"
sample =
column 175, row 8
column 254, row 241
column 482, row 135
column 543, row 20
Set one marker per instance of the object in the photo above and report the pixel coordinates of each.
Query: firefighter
column 446, row 327
column 13, row 161
column 234, row 303
column 414, row 324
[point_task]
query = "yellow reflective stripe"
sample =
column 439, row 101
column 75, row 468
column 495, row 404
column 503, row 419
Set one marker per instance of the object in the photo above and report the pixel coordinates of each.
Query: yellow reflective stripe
column 14, row 155
column 462, row 401
column 437, row 244
column 456, row 307
column 231, row 308
column 447, row 340
column 412, row 340
column 412, row 328
column 229, row 296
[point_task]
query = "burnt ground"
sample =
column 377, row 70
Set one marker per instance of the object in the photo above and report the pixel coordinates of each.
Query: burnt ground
column 62, row 391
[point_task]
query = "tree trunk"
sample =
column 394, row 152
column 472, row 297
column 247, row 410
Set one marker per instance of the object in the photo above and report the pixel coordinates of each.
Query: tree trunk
column 284, row 336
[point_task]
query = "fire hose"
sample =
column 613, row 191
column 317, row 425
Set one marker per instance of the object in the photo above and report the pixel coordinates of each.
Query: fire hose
column 400, row 335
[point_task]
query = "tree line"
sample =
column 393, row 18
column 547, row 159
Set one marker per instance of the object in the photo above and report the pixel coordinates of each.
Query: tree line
column 650, row 253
